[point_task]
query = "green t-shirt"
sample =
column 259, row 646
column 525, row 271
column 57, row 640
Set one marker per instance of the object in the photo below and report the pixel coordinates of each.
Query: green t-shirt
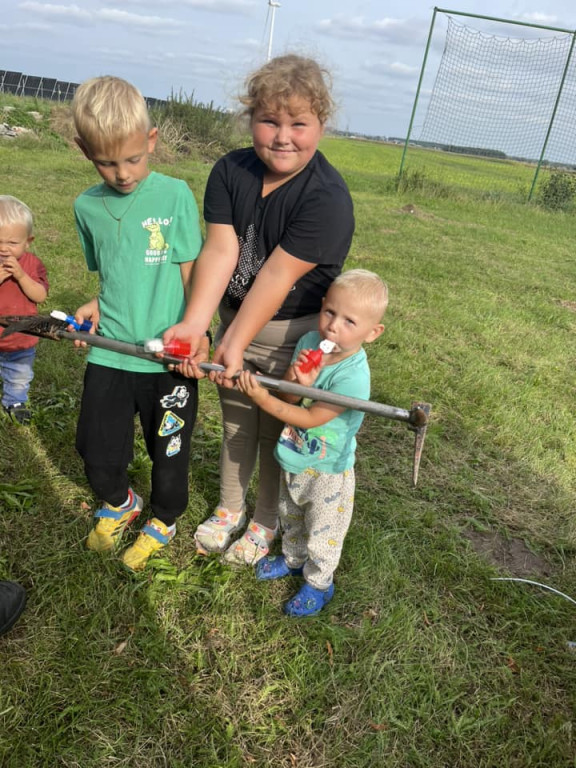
column 136, row 243
column 331, row 448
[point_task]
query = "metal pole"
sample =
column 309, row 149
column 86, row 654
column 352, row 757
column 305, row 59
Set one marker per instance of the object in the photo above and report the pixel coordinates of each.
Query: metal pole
column 417, row 94
column 273, row 6
column 558, row 95
column 279, row 385
column 505, row 21
column 416, row 418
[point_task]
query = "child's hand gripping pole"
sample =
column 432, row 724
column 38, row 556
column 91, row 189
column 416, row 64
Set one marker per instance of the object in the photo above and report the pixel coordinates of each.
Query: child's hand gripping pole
column 59, row 315
column 417, row 417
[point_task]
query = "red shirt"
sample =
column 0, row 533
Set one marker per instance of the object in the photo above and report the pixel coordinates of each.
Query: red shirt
column 13, row 301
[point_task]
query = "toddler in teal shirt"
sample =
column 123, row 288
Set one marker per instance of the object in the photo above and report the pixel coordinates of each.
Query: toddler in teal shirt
column 317, row 447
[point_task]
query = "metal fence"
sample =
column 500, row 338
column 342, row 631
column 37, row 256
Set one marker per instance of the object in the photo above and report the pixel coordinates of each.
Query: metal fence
column 46, row 87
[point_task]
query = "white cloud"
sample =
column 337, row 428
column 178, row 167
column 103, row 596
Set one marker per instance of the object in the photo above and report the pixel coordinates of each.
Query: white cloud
column 540, row 18
column 27, row 26
column 72, row 14
column 396, row 31
column 68, row 12
column 403, row 70
column 249, row 44
column 241, row 7
column 391, row 68
column 133, row 19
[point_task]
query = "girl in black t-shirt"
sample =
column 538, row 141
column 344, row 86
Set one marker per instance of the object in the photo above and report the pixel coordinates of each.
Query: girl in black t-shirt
column 279, row 221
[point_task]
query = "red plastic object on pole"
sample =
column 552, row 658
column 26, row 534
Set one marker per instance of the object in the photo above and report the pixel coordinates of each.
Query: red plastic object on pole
column 175, row 347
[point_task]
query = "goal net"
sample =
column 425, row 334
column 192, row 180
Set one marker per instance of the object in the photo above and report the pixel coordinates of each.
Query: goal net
column 496, row 95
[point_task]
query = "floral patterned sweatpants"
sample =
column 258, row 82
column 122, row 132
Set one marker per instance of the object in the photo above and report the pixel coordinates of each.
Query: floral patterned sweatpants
column 315, row 511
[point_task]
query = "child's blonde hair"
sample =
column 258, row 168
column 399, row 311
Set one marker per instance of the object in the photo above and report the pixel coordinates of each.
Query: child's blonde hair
column 14, row 211
column 107, row 110
column 368, row 287
column 274, row 84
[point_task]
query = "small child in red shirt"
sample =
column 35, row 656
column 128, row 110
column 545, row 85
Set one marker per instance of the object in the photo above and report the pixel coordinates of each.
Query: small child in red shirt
column 23, row 285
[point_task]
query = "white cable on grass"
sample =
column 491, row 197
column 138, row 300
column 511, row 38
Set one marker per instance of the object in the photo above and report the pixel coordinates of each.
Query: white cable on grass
column 536, row 584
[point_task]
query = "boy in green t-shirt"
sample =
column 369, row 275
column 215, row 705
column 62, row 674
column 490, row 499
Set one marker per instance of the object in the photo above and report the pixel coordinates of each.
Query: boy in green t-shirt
column 140, row 231
column 316, row 450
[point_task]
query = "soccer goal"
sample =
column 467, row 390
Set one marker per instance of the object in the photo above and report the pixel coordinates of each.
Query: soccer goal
column 505, row 92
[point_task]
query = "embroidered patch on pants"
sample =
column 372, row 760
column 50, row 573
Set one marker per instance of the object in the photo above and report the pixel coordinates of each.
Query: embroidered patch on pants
column 170, row 424
column 174, row 445
column 177, row 398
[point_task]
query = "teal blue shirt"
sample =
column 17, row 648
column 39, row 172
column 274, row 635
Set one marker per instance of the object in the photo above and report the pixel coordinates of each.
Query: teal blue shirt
column 331, row 448
column 138, row 260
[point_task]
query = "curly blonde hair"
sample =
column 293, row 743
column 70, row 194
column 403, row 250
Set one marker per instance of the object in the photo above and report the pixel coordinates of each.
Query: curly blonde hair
column 284, row 77
column 107, row 110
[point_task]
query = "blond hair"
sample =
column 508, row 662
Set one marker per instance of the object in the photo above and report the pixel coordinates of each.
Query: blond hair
column 367, row 286
column 277, row 82
column 14, row 211
column 108, row 110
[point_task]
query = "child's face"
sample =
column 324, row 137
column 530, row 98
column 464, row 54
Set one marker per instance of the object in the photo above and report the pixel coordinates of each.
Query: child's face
column 345, row 320
column 124, row 166
column 14, row 240
column 286, row 139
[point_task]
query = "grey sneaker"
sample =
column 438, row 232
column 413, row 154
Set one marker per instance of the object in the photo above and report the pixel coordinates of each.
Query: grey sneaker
column 19, row 413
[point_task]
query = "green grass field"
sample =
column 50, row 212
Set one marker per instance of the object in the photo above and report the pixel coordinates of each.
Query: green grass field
column 422, row 660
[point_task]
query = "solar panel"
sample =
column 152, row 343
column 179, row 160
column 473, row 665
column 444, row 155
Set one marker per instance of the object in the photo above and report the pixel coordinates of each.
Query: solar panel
column 29, row 85
column 47, row 87
column 46, row 90
column 12, row 78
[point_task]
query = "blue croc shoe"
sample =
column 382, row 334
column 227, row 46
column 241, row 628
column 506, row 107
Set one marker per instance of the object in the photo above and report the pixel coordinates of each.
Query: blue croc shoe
column 274, row 567
column 309, row 601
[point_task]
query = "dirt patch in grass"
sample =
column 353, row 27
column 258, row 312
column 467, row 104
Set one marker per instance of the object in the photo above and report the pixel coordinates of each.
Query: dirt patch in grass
column 510, row 555
column 418, row 213
column 571, row 305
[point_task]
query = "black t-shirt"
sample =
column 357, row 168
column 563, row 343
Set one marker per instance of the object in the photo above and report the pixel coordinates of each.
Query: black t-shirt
column 311, row 217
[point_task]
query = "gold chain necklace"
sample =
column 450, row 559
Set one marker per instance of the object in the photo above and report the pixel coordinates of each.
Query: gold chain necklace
column 130, row 204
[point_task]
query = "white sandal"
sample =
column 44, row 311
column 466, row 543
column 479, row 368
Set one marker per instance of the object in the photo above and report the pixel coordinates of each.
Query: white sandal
column 252, row 547
column 215, row 534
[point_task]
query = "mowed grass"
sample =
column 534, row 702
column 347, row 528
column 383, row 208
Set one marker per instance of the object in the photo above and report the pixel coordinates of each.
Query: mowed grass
column 422, row 659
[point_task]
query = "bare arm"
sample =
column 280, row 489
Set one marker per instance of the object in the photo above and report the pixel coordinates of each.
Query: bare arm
column 295, row 415
column 202, row 352
column 265, row 297
column 210, row 276
column 186, row 269
column 294, row 373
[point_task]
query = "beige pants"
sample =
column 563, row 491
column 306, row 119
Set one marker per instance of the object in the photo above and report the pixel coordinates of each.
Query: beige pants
column 249, row 434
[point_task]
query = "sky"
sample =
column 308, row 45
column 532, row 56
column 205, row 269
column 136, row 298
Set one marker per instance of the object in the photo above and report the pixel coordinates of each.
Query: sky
column 204, row 48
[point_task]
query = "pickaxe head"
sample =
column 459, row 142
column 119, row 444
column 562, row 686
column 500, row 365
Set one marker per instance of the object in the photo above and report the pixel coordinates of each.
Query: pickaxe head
column 419, row 417
column 34, row 325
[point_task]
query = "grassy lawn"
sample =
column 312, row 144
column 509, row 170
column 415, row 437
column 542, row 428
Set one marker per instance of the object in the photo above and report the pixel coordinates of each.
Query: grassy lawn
column 422, row 660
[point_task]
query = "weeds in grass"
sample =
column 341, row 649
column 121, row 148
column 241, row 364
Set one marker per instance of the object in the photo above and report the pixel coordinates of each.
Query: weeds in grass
column 188, row 126
column 19, row 496
column 557, row 191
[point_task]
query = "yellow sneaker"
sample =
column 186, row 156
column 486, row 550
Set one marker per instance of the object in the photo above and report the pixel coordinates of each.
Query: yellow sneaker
column 111, row 524
column 154, row 536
